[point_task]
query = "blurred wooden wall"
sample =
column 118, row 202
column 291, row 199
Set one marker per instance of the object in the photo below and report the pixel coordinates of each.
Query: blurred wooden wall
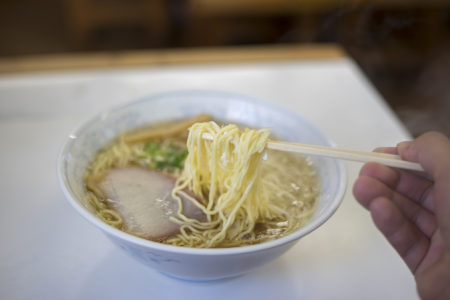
column 30, row 26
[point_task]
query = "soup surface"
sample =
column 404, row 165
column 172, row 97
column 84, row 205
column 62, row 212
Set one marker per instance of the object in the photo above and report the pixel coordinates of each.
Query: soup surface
column 157, row 153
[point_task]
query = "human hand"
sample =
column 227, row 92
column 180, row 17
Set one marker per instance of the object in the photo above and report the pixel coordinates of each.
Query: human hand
column 412, row 210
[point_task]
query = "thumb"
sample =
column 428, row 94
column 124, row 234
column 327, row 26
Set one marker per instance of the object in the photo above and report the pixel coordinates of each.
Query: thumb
column 432, row 151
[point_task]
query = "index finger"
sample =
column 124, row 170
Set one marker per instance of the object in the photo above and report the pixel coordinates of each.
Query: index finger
column 389, row 150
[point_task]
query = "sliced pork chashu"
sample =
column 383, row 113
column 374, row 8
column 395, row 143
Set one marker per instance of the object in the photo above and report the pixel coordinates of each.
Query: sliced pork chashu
column 143, row 199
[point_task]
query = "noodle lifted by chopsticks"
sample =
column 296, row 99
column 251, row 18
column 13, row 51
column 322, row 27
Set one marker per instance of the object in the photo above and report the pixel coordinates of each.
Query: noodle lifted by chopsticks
column 225, row 173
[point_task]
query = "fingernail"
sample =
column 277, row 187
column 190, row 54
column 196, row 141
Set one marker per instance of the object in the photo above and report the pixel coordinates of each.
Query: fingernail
column 407, row 151
column 403, row 146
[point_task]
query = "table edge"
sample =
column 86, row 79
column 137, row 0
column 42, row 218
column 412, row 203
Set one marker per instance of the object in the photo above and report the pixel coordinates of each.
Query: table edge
column 164, row 57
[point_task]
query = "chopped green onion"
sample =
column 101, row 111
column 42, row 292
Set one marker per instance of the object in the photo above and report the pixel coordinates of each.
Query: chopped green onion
column 167, row 157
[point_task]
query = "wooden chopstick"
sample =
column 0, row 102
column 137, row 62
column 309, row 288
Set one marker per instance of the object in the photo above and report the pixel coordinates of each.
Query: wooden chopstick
column 391, row 160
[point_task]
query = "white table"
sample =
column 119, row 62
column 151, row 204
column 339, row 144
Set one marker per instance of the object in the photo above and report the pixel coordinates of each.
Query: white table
column 48, row 251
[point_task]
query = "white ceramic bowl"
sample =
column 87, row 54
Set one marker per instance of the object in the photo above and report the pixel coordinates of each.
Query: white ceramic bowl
column 189, row 263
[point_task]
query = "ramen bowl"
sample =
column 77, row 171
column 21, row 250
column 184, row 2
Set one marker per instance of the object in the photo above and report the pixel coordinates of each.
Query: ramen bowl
column 183, row 262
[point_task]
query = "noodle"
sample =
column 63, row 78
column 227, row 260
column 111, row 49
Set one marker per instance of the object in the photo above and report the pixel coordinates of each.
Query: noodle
column 226, row 173
column 247, row 193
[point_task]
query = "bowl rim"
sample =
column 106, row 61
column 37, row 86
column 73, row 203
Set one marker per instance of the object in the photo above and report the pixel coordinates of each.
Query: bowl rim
column 114, row 232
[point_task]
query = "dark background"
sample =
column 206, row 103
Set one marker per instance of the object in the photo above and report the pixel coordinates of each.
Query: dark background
column 403, row 46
